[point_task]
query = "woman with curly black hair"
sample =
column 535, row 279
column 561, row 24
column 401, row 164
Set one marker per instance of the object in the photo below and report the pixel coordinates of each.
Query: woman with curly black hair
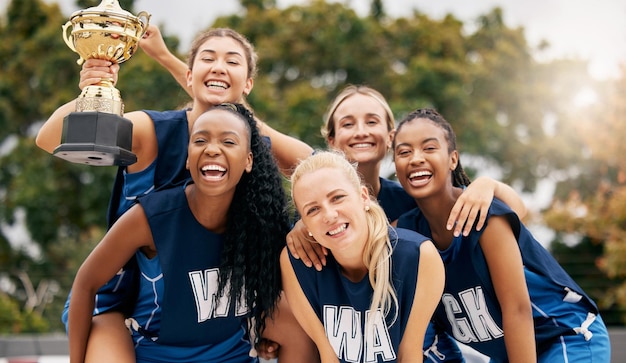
column 208, row 251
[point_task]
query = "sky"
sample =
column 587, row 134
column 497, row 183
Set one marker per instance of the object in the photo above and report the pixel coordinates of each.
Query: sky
column 589, row 29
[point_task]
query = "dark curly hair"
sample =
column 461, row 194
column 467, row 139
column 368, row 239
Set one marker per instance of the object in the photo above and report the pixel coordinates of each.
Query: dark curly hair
column 459, row 177
column 258, row 223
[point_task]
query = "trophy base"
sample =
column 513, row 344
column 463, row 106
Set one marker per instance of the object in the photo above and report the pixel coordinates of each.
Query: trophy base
column 96, row 138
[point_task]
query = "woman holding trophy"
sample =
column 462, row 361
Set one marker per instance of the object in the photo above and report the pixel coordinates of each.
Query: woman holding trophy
column 221, row 68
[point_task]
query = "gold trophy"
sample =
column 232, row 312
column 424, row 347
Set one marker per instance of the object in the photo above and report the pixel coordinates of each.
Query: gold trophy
column 97, row 132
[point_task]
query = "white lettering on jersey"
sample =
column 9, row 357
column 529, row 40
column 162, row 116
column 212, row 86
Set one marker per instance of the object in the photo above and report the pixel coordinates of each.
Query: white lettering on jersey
column 343, row 329
column 377, row 339
column 204, row 285
column 475, row 323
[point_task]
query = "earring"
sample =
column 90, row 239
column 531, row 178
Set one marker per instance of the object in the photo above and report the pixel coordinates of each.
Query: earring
column 367, row 208
column 310, row 234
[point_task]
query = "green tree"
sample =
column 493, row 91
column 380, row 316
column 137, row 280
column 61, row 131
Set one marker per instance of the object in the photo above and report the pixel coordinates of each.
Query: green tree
column 505, row 106
column 591, row 204
column 64, row 204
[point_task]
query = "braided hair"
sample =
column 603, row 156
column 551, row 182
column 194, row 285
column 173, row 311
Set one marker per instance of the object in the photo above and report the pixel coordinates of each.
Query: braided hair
column 459, row 177
column 257, row 225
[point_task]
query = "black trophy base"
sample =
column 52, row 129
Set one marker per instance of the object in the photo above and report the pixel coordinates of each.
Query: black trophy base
column 96, row 138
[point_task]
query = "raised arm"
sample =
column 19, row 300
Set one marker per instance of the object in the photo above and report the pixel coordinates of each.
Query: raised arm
column 93, row 71
column 507, row 273
column 287, row 150
column 128, row 234
column 153, row 45
column 477, row 198
column 144, row 137
column 303, row 311
column 429, row 287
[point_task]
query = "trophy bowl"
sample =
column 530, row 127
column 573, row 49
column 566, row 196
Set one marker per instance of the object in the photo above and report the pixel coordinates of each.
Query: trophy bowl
column 97, row 133
column 105, row 32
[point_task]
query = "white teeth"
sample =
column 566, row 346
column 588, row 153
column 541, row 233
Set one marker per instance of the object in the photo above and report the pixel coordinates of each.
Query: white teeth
column 338, row 229
column 213, row 167
column 361, row 145
column 217, row 84
column 420, row 173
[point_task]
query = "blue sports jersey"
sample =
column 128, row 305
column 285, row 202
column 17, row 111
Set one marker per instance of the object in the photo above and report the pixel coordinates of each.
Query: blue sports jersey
column 393, row 199
column 172, row 134
column 179, row 313
column 469, row 310
column 168, row 169
column 343, row 306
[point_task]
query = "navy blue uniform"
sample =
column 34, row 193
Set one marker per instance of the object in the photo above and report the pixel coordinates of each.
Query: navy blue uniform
column 469, row 310
column 168, row 169
column 395, row 201
column 343, row 306
column 179, row 316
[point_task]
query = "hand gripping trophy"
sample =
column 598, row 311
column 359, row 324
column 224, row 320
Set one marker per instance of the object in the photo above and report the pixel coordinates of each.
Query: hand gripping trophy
column 97, row 133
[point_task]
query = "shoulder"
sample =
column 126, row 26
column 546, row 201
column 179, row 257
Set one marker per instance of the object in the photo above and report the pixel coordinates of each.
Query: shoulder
column 163, row 201
column 390, row 184
column 170, row 115
column 392, row 188
column 404, row 234
column 408, row 220
column 498, row 207
column 406, row 244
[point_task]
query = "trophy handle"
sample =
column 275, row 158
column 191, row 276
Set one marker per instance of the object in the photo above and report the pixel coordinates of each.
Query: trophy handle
column 144, row 18
column 67, row 37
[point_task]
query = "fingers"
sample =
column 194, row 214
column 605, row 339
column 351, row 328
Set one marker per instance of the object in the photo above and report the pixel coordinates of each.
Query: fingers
column 305, row 248
column 152, row 30
column 292, row 247
column 302, row 248
column 267, row 349
column 454, row 214
column 152, row 42
column 316, row 253
column 95, row 70
column 466, row 211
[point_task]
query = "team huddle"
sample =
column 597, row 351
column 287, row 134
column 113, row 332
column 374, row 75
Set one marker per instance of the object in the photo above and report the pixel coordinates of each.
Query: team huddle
column 204, row 262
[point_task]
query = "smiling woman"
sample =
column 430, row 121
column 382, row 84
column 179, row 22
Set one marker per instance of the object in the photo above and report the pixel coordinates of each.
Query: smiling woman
column 190, row 242
column 375, row 297
column 519, row 284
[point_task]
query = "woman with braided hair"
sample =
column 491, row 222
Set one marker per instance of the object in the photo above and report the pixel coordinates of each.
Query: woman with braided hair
column 208, row 251
column 505, row 295
column 221, row 68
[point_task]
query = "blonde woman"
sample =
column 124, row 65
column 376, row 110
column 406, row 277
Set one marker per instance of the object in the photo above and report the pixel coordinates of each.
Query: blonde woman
column 373, row 300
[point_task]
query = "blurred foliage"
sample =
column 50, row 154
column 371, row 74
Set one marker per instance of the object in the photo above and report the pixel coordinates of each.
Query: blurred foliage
column 592, row 202
column 14, row 320
column 507, row 108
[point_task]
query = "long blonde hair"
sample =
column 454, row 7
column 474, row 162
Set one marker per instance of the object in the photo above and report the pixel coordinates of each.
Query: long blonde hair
column 378, row 248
